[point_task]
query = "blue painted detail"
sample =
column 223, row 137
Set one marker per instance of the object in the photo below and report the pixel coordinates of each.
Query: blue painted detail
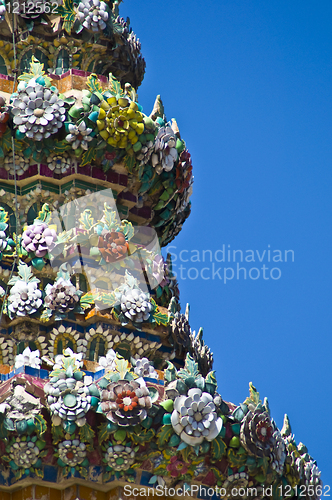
column 34, row 372
column 50, row 474
column 145, row 478
column 153, row 381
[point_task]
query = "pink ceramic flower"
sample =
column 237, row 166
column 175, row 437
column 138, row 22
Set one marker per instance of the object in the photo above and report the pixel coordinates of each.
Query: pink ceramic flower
column 176, row 467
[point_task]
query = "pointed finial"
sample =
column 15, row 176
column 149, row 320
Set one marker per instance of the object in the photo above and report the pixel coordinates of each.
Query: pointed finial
column 158, row 109
column 286, row 428
column 187, row 311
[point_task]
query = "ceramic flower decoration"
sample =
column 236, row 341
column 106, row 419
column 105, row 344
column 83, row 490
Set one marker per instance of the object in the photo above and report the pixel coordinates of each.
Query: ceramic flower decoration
column 24, row 298
column 70, row 397
column 108, row 362
column 144, row 368
column 145, row 153
column 60, row 164
column 28, row 358
column 93, row 14
column 122, row 123
column 194, row 417
column 61, row 297
column 135, row 305
column 38, row 111
column 21, row 164
column 24, row 453
column 39, row 239
column 257, row 433
column 112, row 245
column 60, row 359
column 176, row 467
column 311, row 477
column 278, row 453
column 72, row 452
column 126, row 402
column 79, row 135
column 165, row 153
column 120, row 457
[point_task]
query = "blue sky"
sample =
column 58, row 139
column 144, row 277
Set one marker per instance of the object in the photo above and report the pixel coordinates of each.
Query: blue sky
column 250, row 86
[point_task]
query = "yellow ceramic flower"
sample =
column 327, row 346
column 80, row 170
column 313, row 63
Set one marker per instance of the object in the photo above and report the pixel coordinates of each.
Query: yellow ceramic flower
column 122, row 123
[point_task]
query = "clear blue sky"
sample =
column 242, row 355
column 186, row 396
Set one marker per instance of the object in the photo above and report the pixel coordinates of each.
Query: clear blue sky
column 249, row 83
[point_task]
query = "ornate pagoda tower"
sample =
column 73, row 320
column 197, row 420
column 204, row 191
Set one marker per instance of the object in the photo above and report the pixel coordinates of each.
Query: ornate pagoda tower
column 106, row 393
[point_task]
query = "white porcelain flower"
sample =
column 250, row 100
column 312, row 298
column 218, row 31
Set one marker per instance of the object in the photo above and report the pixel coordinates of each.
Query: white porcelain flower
column 72, row 453
column 28, row 358
column 120, row 457
column 144, row 368
column 79, row 135
column 68, row 352
column 38, row 111
column 165, row 153
column 24, row 298
column 135, row 305
column 108, row 362
column 93, row 14
column 194, row 417
column 69, row 399
column 24, row 453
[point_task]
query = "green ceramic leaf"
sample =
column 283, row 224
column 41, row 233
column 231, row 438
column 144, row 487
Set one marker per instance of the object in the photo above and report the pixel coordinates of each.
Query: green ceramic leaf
column 44, row 214
column 36, row 69
column 108, row 299
column 39, row 472
column 170, row 372
column 110, row 217
column 88, row 299
column 86, row 220
column 88, row 156
column 40, row 424
column 164, row 435
column 143, row 437
column 120, row 435
column 66, row 11
column 115, row 86
column 24, row 273
column 130, row 162
column 128, row 229
column 186, row 452
column 6, row 140
column 61, row 146
column 3, row 219
column 93, row 83
column 86, row 433
column 57, row 433
column 168, row 405
column 103, row 433
column 254, row 396
column 190, row 370
column 218, row 448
